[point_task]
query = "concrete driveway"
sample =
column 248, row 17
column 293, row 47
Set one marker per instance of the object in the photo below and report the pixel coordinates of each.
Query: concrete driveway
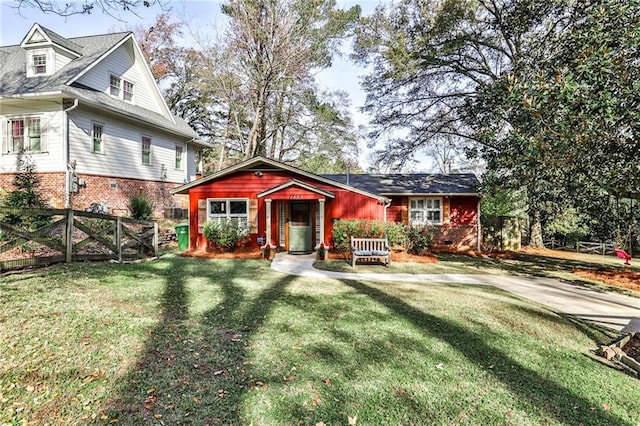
column 612, row 310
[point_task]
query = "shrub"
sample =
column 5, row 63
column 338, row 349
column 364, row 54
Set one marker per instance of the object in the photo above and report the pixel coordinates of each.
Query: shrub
column 225, row 233
column 343, row 230
column 419, row 238
column 140, row 207
column 25, row 195
column 396, row 233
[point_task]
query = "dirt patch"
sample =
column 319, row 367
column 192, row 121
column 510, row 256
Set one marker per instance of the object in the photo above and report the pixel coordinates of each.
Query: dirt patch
column 616, row 278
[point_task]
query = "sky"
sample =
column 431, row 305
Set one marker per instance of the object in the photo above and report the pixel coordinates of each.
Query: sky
column 202, row 21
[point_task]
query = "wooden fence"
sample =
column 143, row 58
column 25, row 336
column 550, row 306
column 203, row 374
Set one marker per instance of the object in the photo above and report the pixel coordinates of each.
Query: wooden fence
column 31, row 237
column 595, row 248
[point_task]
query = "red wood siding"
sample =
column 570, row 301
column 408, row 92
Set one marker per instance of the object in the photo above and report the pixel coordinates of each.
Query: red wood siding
column 245, row 184
column 464, row 210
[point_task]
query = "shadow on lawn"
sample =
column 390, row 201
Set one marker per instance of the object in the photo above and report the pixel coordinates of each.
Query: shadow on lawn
column 193, row 369
column 557, row 401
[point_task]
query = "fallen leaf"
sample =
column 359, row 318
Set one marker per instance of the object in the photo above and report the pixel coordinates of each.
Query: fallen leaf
column 288, row 378
column 218, row 372
column 320, row 424
column 326, row 381
column 508, row 413
column 606, row 406
column 440, row 366
column 151, row 390
column 352, row 420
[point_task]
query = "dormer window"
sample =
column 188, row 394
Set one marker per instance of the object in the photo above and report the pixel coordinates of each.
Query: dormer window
column 114, row 86
column 39, row 64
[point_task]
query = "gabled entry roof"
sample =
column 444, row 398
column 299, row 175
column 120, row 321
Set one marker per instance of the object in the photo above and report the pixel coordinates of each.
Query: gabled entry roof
column 296, row 182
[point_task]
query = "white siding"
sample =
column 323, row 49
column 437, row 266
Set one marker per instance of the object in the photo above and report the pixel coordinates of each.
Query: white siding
column 123, row 63
column 52, row 160
column 61, row 60
column 122, row 155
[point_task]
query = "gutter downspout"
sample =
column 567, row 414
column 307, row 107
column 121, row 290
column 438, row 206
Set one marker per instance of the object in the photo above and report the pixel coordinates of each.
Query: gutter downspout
column 66, row 153
column 387, row 203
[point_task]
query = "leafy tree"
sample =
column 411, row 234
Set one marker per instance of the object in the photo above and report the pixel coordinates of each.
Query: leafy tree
column 429, row 58
column 159, row 47
column 276, row 46
column 140, row 207
column 26, row 193
column 572, row 118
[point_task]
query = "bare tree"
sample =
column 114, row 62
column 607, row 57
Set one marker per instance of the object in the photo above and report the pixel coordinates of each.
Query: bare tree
column 85, row 7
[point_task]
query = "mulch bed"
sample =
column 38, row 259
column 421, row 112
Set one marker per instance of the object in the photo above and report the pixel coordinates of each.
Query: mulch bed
column 239, row 253
column 612, row 277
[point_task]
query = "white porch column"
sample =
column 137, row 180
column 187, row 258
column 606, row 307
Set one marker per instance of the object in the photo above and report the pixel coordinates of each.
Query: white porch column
column 321, row 209
column 267, row 202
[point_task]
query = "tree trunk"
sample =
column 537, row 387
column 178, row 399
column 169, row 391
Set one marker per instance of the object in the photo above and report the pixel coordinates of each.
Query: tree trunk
column 535, row 230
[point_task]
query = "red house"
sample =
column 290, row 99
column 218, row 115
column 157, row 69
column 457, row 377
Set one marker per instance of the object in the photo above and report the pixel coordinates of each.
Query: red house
column 295, row 210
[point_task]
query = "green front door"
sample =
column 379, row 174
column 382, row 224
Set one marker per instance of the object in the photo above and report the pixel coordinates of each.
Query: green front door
column 300, row 227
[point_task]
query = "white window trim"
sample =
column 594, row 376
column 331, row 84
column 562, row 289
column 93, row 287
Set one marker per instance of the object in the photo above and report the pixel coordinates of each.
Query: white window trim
column 33, row 63
column 102, row 144
column 150, row 150
column 119, row 79
column 182, row 156
column 426, row 210
column 121, row 88
column 49, row 63
column 124, row 92
column 25, row 135
column 227, row 214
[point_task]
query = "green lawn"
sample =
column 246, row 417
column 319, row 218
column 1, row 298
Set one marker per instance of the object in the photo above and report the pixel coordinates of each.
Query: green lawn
column 195, row 341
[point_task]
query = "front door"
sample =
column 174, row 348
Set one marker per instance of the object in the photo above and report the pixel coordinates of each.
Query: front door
column 300, row 230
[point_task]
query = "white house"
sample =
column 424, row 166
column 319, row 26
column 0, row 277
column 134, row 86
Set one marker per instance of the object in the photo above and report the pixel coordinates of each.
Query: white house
column 89, row 114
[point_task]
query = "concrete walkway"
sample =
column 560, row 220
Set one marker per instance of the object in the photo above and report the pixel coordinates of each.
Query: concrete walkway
column 612, row 310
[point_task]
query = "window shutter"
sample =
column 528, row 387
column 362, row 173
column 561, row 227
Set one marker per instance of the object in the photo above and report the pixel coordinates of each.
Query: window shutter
column 44, row 131
column 253, row 216
column 4, row 136
column 405, row 210
column 202, row 214
column 446, row 210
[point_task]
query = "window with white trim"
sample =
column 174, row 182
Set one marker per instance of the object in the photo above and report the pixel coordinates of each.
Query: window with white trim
column 146, row 150
column 115, row 85
column 235, row 209
column 97, row 139
column 179, row 155
column 24, row 135
column 39, row 64
column 127, row 90
column 425, row 211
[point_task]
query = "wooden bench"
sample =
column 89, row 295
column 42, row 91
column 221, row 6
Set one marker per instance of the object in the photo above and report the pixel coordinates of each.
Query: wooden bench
column 623, row 255
column 370, row 250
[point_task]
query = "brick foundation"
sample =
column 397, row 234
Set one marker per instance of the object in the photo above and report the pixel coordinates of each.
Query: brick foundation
column 110, row 191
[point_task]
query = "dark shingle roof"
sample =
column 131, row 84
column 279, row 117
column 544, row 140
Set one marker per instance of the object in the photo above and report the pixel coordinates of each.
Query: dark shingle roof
column 412, row 184
column 61, row 41
column 14, row 81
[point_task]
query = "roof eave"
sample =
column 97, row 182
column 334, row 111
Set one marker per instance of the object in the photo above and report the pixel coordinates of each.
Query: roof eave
column 184, row 189
column 173, row 130
column 431, row 194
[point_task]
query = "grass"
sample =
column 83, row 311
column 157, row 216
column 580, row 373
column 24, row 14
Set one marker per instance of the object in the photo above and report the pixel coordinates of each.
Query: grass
column 196, row 341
